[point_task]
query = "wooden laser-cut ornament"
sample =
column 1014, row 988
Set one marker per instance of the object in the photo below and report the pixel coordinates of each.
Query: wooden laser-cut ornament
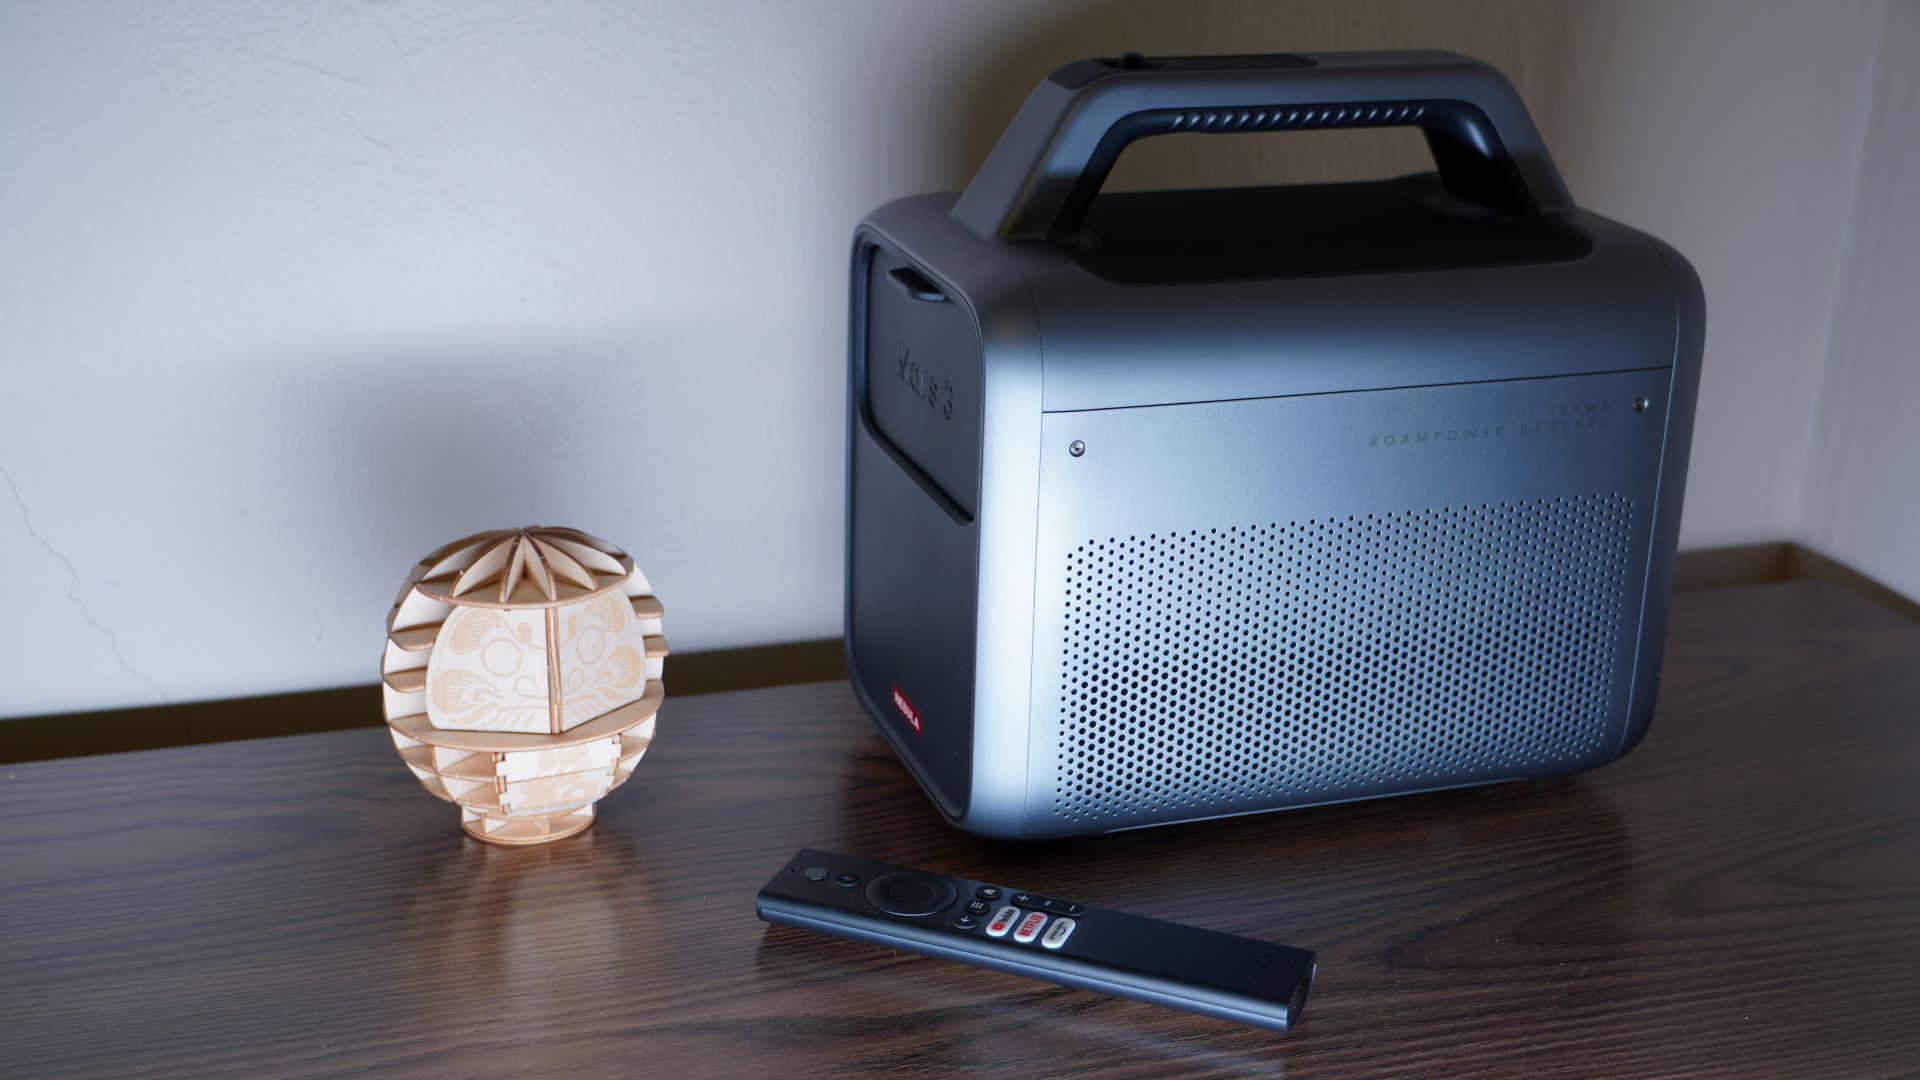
column 522, row 678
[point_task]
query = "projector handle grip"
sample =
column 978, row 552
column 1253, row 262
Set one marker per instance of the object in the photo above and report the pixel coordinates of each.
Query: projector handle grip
column 1042, row 176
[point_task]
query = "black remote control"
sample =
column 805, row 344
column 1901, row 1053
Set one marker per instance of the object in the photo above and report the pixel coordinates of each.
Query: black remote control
column 1023, row 933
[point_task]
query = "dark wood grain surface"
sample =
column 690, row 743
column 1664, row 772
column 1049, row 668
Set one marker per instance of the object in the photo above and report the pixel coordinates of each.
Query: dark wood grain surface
column 1740, row 897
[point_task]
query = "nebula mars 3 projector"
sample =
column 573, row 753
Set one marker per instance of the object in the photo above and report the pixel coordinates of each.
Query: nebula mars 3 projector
column 1179, row 504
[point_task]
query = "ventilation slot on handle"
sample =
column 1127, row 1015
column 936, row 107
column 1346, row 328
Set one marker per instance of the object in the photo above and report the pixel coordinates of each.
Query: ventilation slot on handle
column 1341, row 116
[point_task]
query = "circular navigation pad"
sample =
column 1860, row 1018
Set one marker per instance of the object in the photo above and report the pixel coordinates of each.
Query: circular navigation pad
column 907, row 893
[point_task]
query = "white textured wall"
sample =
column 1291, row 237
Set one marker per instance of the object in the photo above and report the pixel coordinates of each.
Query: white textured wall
column 1731, row 129
column 292, row 293
column 1861, row 499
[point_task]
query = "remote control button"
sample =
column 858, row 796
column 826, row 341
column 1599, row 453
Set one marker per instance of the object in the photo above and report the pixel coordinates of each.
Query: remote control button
column 965, row 922
column 1026, row 899
column 1029, row 927
column 1058, row 933
column 1064, row 907
column 979, row 907
column 815, row 873
column 987, row 892
column 905, row 892
column 1002, row 921
column 847, row 881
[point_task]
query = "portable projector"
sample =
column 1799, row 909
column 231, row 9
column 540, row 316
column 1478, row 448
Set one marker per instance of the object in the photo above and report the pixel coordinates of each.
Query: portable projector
column 1180, row 504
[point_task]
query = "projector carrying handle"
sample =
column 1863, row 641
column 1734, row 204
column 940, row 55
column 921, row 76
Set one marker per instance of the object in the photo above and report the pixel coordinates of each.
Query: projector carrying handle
column 1042, row 176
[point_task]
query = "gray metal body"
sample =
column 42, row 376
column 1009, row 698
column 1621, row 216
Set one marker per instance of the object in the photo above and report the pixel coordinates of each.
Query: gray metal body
column 1148, row 527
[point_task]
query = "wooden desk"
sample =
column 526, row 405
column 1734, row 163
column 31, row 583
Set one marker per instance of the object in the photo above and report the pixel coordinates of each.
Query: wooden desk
column 1738, row 897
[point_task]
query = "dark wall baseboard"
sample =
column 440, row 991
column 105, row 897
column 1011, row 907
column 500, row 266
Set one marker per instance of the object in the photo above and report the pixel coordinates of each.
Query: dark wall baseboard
column 36, row 738
column 1804, row 564
column 1757, row 564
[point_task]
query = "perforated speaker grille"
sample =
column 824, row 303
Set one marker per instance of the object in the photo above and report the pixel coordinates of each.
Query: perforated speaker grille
column 1222, row 670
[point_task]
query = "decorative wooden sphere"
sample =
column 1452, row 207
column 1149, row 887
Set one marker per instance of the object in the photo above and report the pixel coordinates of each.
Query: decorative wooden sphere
column 522, row 678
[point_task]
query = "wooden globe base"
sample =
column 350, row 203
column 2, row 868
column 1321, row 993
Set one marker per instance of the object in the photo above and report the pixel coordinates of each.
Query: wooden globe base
column 530, row 830
column 503, row 781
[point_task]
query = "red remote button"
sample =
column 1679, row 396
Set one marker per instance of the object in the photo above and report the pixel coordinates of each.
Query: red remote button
column 1002, row 921
column 1029, row 927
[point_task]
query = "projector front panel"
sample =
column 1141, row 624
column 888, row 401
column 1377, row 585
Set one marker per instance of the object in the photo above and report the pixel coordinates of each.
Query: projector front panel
column 912, row 541
column 1257, row 604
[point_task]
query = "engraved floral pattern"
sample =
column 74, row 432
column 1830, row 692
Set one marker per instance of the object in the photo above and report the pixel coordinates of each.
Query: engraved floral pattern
column 601, row 652
column 552, row 794
column 488, row 672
